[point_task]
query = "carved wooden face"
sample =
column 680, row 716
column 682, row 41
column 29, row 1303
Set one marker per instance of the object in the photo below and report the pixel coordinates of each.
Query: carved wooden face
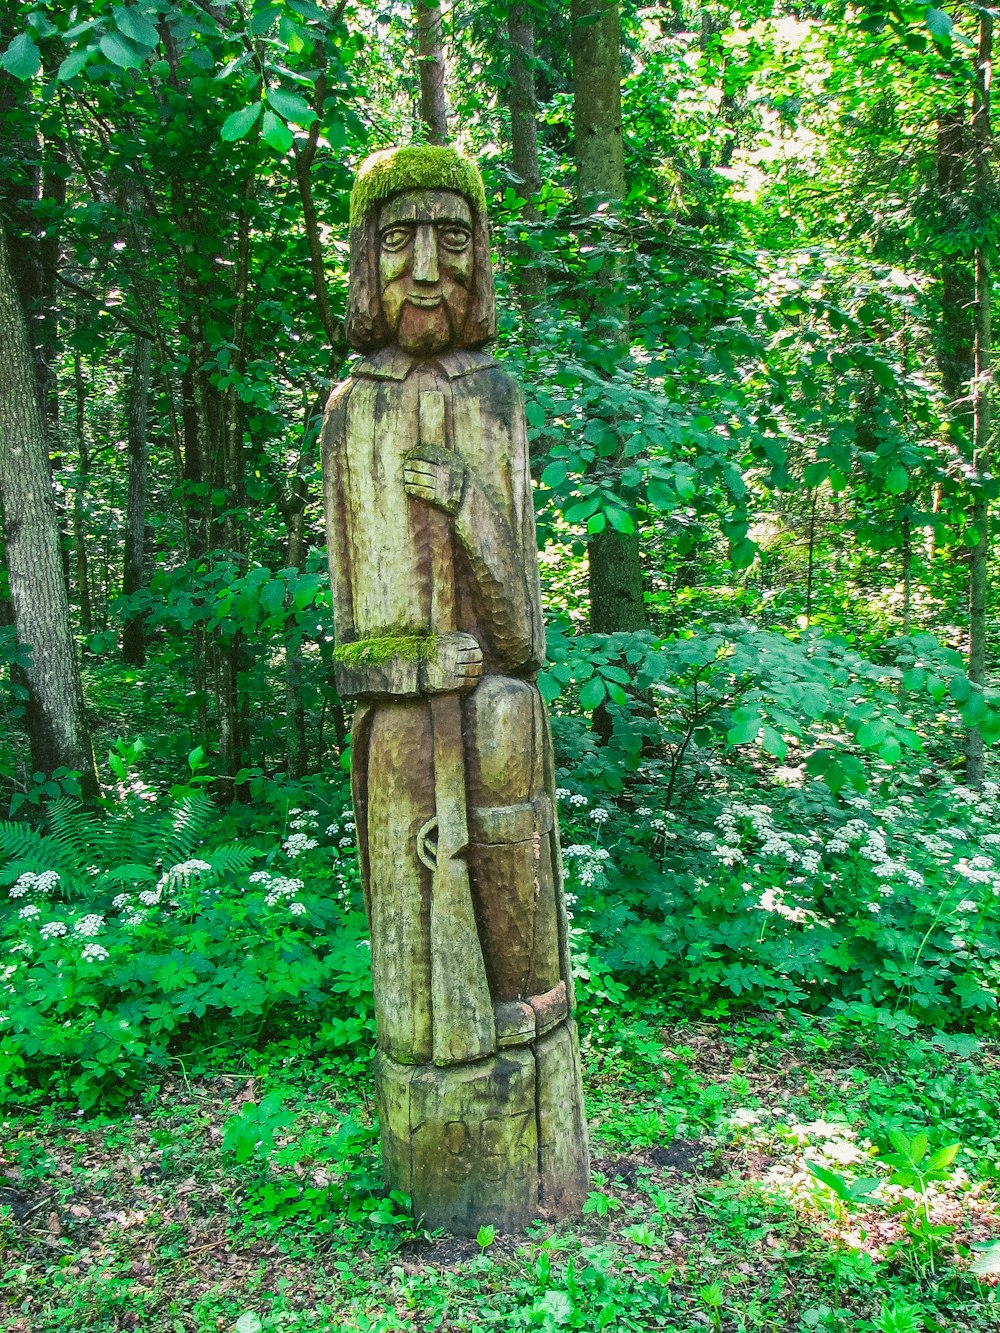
column 426, row 263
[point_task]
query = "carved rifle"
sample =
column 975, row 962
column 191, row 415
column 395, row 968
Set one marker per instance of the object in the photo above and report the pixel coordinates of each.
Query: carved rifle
column 462, row 1012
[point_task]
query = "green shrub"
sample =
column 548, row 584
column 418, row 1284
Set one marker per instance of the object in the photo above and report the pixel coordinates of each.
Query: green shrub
column 128, row 936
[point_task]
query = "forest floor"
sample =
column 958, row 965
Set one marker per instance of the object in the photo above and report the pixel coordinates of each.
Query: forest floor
column 704, row 1212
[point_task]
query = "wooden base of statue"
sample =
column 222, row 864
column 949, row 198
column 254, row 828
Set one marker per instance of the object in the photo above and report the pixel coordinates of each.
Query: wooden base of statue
column 498, row 1142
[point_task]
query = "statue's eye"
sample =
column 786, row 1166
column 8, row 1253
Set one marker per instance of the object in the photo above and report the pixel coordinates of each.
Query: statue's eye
column 396, row 238
column 455, row 237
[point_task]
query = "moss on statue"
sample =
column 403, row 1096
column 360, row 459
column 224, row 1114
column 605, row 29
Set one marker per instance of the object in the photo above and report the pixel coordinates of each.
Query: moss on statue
column 415, row 167
column 388, row 648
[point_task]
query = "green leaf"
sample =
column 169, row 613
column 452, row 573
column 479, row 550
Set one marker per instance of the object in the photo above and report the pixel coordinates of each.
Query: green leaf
column 815, row 473
column 745, row 728
column 871, row 734
column 987, row 1264
column 22, row 58
column 548, row 687
column 276, row 133
column 262, row 19
column 659, row 494
column 291, row 106
column 122, row 51
column 896, row 480
column 240, row 123
column 72, row 65
column 772, row 743
column 959, row 687
column 685, row 480
column 620, row 521
column 554, row 475
column 936, row 688
column 938, row 22
column 943, row 1158
column 249, row 1322
column 135, row 25
column 593, row 694
column 830, row 1179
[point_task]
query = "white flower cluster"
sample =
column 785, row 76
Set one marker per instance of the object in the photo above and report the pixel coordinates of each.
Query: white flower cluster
column 29, row 912
column 184, row 873
column 53, row 930
column 30, row 883
column 578, row 799
column 298, row 843
column 93, row 953
column 280, row 888
column 591, row 862
column 599, row 815
column 89, row 924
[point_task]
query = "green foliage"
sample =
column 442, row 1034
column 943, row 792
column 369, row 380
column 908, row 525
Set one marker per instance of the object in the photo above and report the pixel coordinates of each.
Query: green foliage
column 132, row 935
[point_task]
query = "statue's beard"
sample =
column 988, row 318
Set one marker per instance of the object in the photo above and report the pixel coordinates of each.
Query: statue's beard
column 422, row 331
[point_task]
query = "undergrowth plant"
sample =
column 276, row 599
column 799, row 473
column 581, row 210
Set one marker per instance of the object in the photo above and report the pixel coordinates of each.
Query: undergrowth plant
column 142, row 930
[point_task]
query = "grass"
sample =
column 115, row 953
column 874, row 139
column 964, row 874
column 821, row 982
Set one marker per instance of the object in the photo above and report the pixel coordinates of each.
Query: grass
column 704, row 1214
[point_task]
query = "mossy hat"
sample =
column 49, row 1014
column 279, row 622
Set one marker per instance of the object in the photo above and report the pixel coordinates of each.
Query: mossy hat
column 390, row 172
column 414, row 167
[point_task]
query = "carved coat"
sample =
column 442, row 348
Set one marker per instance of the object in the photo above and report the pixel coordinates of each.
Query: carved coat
column 383, row 548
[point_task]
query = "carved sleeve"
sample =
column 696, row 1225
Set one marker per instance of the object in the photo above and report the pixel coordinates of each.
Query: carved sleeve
column 502, row 556
column 337, row 539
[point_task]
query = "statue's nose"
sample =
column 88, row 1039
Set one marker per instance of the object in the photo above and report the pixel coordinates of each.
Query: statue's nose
column 425, row 256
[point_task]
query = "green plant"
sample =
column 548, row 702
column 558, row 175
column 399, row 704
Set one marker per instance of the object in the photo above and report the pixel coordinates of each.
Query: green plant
column 915, row 1168
column 713, row 1298
column 841, row 1197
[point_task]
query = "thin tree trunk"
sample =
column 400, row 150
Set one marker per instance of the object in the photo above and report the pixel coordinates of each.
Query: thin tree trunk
column 134, row 630
column 56, row 721
column 907, row 561
column 615, row 570
column 982, row 405
column 80, row 501
column 524, row 144
column 430, row 51
column 812, row 554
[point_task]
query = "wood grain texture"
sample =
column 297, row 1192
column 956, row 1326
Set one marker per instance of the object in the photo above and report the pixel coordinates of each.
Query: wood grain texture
column 438, row 621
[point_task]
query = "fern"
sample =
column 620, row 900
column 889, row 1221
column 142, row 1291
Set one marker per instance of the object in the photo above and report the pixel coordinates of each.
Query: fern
column 127, row 846
column 183, row 828
column 79, row 834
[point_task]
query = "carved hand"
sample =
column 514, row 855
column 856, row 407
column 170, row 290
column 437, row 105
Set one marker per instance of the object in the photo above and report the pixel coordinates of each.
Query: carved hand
column 435, row 476
column 457, row 664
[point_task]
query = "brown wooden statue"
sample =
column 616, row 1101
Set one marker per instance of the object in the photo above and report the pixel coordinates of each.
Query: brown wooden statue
column 439, row 636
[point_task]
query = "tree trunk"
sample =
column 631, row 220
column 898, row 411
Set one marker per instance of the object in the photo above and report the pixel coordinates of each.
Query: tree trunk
column 615, row 570
column 524, row 144
column 981, row 404
column 134, row 630
column 430, row 50
column 56, row 720
column 80, row 501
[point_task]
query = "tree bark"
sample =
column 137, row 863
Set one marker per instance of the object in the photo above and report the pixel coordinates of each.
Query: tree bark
column 430, row 51
column 134, row 632
column 981, row 404
column 56, row 719
column 80, row 501
column 615, row 570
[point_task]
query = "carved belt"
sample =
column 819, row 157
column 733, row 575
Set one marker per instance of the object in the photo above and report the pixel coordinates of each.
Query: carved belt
column 510, row 823
column 521, row 1021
